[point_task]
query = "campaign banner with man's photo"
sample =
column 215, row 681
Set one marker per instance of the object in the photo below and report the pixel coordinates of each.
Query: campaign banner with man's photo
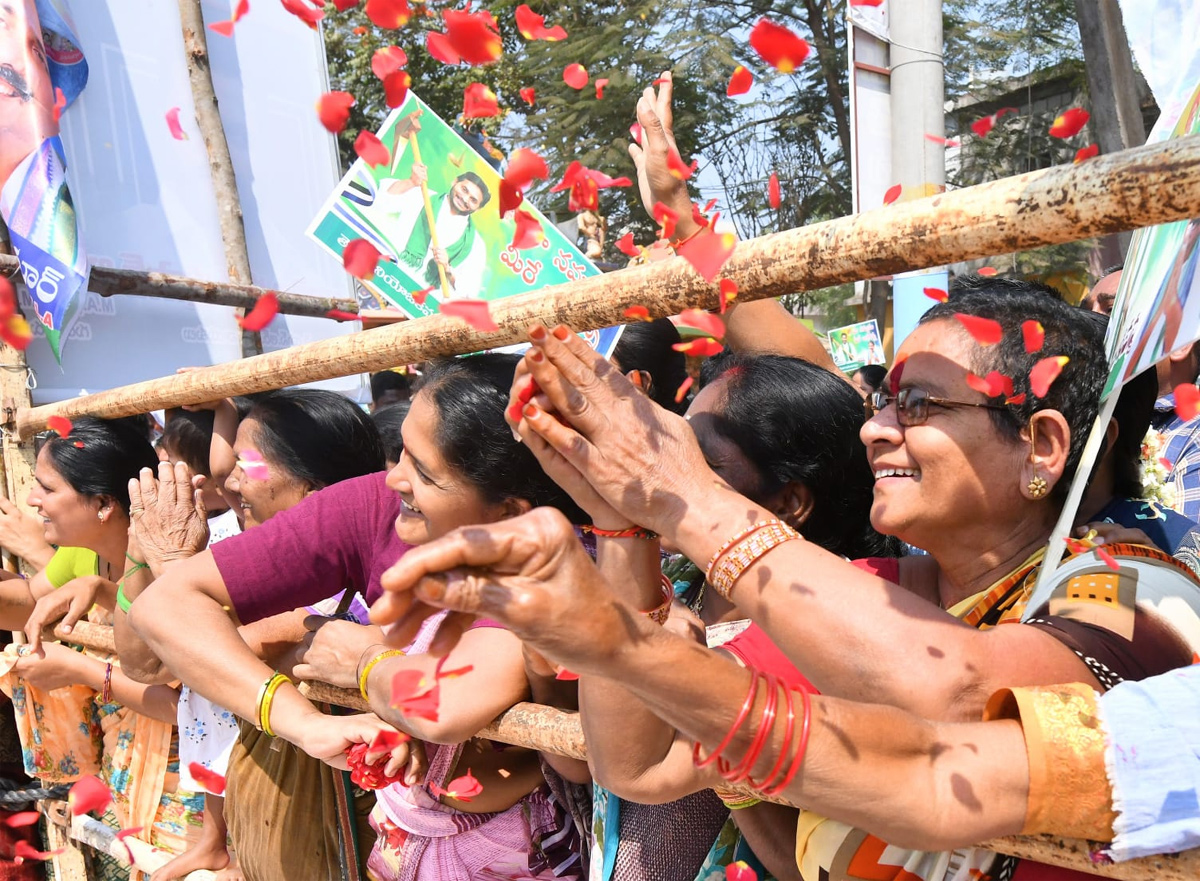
column 432, row 211
column 42, row 71
column 856, row 345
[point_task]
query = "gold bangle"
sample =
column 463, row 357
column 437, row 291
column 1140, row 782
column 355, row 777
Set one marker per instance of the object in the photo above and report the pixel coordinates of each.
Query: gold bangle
column 660, row 614
column 266, row 696
column 743, row 552
column 750, row 530
column 362, row 679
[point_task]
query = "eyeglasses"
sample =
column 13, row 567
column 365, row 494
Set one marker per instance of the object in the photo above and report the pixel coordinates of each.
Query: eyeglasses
column 912, row 405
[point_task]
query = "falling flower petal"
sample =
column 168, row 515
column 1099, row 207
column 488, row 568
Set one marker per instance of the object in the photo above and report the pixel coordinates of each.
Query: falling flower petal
column 1069, row 122
column 419, row 296
column 510, row 197
column 1077, row 546
column 1108, row 559
column 360, row 258
column 666, row 218
column 1015, row 399
column 387, row 740
column 8, row 299
column 371, row 150
column 413, row 693
column 59, row 424
column 987, row 271
column 533, row 26
column 1034, row 335
column 388, row 14
column 395, row 87
column 206, row 777
column 938, row 294
column 866, row 2
column 474, row 312
column 528, row 95
column 637, row 313
column 704, row 321
column 774, row 197
column 703, row 347
column 626, row 246
column 333, row 109
column 728, row 291
column 945, row 142
column 1165, row 462
column 575, row 76
column 1087, row 152
column 474, row 36
column 23, row 850
column 16, row 332
column 343, row 5
column 307, row 14
column 985, row 331
column 994, row 385
column 577, row 171
column 676, row 166
column 340, row 315
column 524, row 166
column 438, row 45
column 892, row 194
column 778, row 46
column 1044, row 372
column 984, row 126
column 740, row 871
column 479, row 102
column 366, row 775
column 263, row 313
column 565, row 675
column 462, row 788
column 387, row 60
column 1187, row 401
column 708, row 252
column 635, row 132
column 173, row 125
column 87, row 795
column 584, row 195
column 681, row 392
column 740, row 82
column 528, row 233
column 225, row 28
column 601, row 82
column 24, row 818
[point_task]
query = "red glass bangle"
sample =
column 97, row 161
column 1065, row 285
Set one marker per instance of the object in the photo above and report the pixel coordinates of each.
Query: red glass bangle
column 766, row 724
column 805, row 728
column 789, row 727
column 737, row 724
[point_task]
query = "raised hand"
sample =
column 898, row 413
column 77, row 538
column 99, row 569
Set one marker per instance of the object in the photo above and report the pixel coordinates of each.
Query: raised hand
column 656, row 183
column 167, row 517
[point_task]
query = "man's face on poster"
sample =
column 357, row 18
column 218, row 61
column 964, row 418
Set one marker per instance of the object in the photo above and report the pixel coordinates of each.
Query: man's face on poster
column 465, row 196
column 26, row 94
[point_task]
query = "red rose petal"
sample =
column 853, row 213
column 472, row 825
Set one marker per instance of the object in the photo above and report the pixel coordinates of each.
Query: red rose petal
column 387, row 740
column 333, row 109
column 340, row 315
column 945, row 142
column 1087, row 152
column 360, row 258
column 626, row 246
column 524, row 166
column 8, row 299
column 938, row 294
column 371, row 150
column 666, row 218
column 601, row 82
column 413, row 693
column 387, row 60
column 23, row 850
column 262, row 314
column 728, row 291
column 1165, row 462
column 474, row 312
column 388, row 14
column 1069, row 123
column 304, row 12
column 987, row 271
column 173, row 125
column 224, row 28
column 575, row 76
column 637, row 313
column 774, row 197
column 510, row 197
column 866, row 2
column 533, row 26
column 1108, row 559
column 24, row 818
column 438, row 45
column 983, row 127
column 479, row 102
column 206, row 777
column 462, row 788
column 1187, row 401
column 635, row 132
column 704, row 321
column 740, row 82
column 16, row 332
column 419, row 296
column 740, row 871
column 708, row 252
column 343, row 5
column 703, row 347
column 892, row 194
column 985, row 331
column 676, row 166
column 584, row 195
column 1044, row 372
column 1034, row 335
column 565, row 675
column 60, row 424
column 395, row 87
column 1015, row 399
column 528, row 95
column 474, row 36
column 87, row 795
column 984, row 386
column 778, row 46
column 528, row 233
column 681, row 392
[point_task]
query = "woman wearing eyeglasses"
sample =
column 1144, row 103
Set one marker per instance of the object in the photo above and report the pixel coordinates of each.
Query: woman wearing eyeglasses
column 976, row 480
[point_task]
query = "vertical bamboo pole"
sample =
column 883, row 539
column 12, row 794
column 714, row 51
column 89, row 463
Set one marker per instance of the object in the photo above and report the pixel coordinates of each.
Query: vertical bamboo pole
column 220, row 165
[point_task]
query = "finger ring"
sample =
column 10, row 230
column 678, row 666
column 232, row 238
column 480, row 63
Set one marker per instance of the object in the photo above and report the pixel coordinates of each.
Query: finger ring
column 135, row 510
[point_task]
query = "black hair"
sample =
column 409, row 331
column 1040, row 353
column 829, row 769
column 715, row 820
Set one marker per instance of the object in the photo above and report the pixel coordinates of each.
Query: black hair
column 470, row 395
column 318, row 436
column 796, row 421
column 1067, row 332
column 389, row 380
column 647, row 346
column 188, row 435
column 873, row 375
column 388, row 421
column 1134, row 411
column 101, row 456
column 478, row 181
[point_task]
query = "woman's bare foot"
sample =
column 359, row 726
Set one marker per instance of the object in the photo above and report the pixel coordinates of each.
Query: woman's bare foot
column 205, row 855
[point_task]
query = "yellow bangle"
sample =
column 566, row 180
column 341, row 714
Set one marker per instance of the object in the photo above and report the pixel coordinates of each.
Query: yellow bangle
column 266, row 695
column 362, row 679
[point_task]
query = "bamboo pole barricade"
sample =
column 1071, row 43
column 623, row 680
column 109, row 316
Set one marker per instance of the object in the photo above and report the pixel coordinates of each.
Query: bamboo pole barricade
column 1139, row 187
column 551, row 730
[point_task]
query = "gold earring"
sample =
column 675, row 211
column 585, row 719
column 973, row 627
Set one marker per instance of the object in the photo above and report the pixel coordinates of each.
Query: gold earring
column 100, row 516
column 1037, row 487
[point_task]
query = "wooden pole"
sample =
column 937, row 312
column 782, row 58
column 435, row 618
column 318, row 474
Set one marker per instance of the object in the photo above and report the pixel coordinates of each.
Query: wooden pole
column 1152, row 184
column 220, row 164
column 16, row 465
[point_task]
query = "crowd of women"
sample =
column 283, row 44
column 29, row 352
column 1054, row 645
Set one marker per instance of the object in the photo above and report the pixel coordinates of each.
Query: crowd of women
column 758, row 598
